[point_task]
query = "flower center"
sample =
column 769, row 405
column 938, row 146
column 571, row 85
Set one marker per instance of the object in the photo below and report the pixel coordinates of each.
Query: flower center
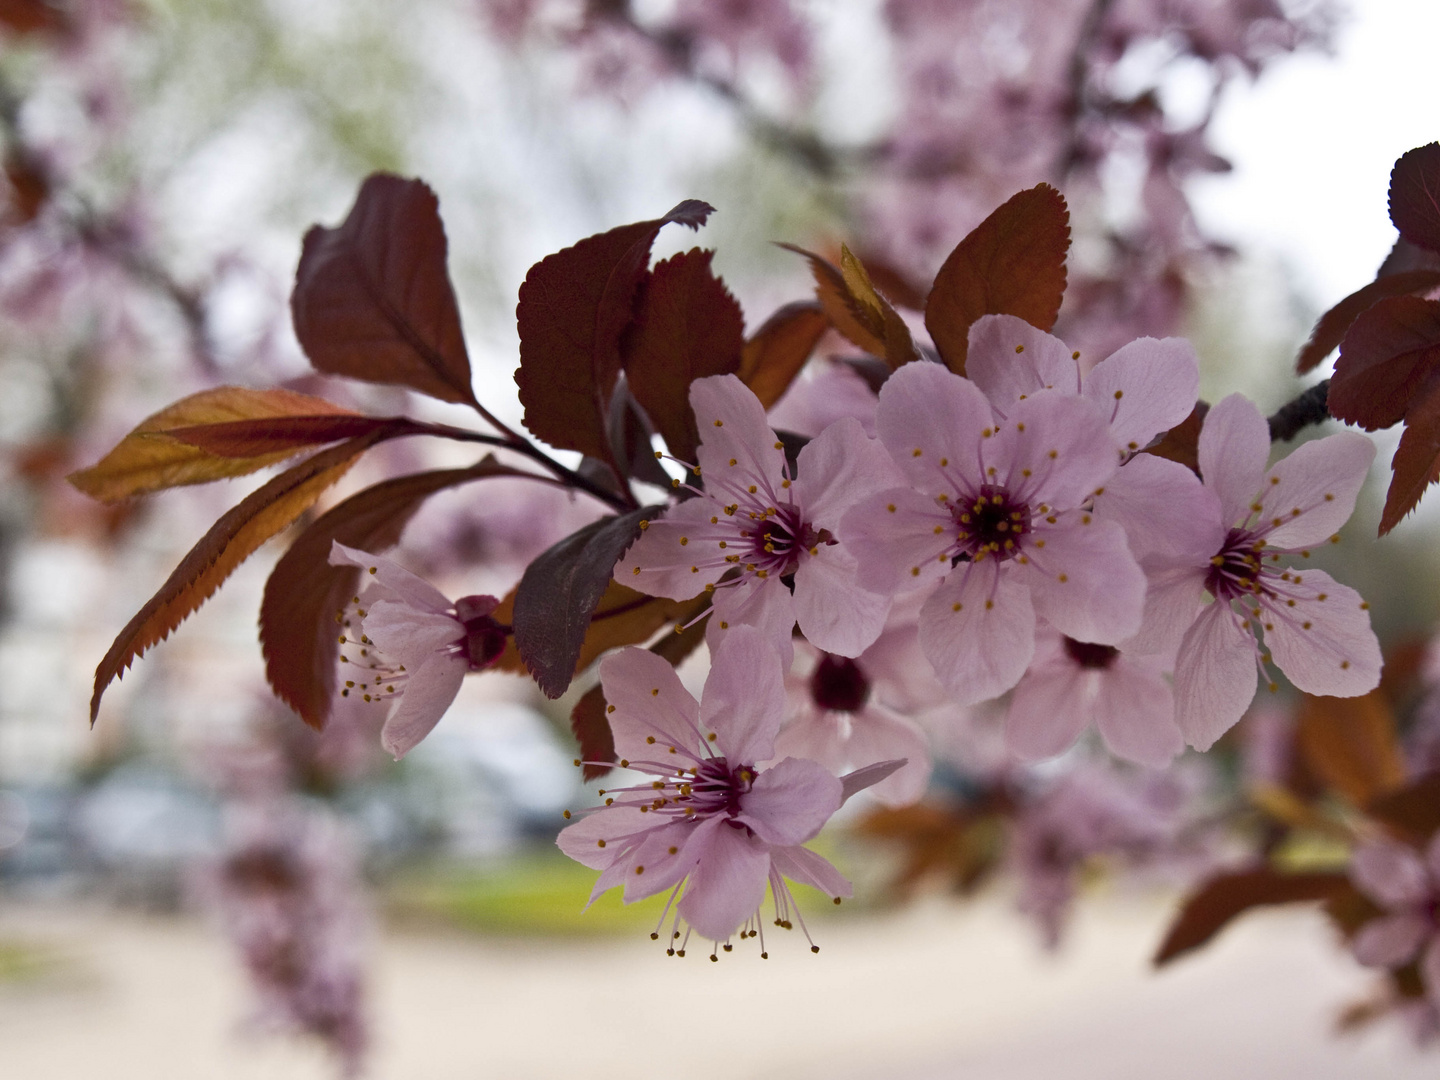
column 484, row 637
column 1089, row 655
column 991, row 525
column 1235, row 572
column 838, row 684
column 777, row 539
column 717, row 788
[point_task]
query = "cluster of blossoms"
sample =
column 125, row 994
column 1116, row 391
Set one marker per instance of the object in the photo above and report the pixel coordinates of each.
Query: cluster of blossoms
column 1005, row 533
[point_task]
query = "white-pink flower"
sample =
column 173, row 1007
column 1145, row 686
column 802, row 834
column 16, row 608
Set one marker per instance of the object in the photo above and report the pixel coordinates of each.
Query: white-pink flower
column 773, row 534
column 406, row 646
column 1407, row 888
column 712, row 821
column 1073, row 684
column 1144, row 388
column 1000, row 511
column 1236, row 530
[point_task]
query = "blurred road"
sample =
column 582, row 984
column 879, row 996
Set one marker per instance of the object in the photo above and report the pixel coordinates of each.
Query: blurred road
column 930, row 993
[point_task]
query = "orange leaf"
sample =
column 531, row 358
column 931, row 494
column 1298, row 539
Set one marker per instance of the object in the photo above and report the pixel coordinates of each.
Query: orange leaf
column 149, row 458
column 230, row 541
column 778, row 350
column 857, row 310
column 1350, row 744
column 1013, row 263
column 305, row 591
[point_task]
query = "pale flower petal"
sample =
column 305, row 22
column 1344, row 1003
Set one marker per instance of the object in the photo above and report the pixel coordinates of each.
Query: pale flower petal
column 744, row 697
column 648, row 702
column 1009, row 360
column 1051, row 706
column 928, row 416
column 1391, row 874
column 803, row 865
column 429, row 692
column 1215, row 676
column 1135, row 715
column 1234, row 446
column 790, row 801
column 1321, row 638
column 1163, row 507
column 727, row 884
column 410, row 634
column 1084, row 581
column 742, row 433
column 898, row 537
column 978, row 631
column 389, row 575
column 1391, row 940
column 834, row 613
column 1145, row 387
column 839, row 467
column 1311, row 492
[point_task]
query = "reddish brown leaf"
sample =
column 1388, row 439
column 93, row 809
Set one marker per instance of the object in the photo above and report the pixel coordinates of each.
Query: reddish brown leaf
column 1416, row 464
column 687, row 326
column 1415, row 196
column 1405, row 256
column 1331, row 328
column 1224, row 897
column 150, row 458
column 1387, row 355
column 856, row 310
column 574, row 306
column 588, row 718
column 1351, row 744
column 373, row 299
column 558, row 594
column 29, row 189
column 29, row 16
column 304, row 591
column 231, row 540
column 1182, row 442
column 1413, row 811
column 777, row 351
column 1013, row 263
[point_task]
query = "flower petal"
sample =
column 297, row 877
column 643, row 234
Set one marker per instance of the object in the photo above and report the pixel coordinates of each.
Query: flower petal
column 648, row 702
column 1173, row 599
column 1009, row 360
column 1057, row 450
column 744, row 697
column 927, row 416
column 893, row 537
column 662, row 858
column 834, row 613
column 803, row 865
column 677, row 555
column 1391, row 940
column 1084, row 580
column 1145, row 387
column 1135, row 714
column 1319, row 632
column 762, row 603
column 1308, row 495
column 839, row 467
column 877, row 735
column 428, row 693
column 1391, row 874
column 620, row 827
column 727, row 884
column 978, row 631
column 852, row 783
column 390, row 576
column 1234, row 446
column 1051, row 706
column 408, row 634
column 732, row 426
column 790, row 802
column 1215, row 676
column 1163, row 508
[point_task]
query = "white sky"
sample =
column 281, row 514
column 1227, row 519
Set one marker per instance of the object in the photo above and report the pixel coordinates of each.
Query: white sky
column 1313, row 143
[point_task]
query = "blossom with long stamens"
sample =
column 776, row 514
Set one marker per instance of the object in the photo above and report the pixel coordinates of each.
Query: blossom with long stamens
column 407, row 647
column 1000, row 512
column 1143, row 388
column 1074, row 684
column 711, row 822
column 761, row 540
column 1243, row 522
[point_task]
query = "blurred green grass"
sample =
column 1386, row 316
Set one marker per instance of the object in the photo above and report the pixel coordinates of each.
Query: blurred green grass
column 539, row 893
column 26, row 962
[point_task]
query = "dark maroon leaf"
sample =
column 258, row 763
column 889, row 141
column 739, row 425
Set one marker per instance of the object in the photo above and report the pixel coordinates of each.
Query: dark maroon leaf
column 1413, row 811
column 1224, row 897
column 304, row 591
column 1331, row 328
column 574, row 306
column 1405, row 256
column 778, row 350
column 1387, row 355
column 1415, row 196
column 1416, row 464
column 1013, row 263
column 559, row 592
column 373, row 299
column 687, row 326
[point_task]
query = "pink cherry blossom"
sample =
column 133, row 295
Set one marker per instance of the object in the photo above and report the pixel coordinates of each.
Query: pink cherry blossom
column 775, row 531
column 1144, row 388
column 1407, row 888
column 1074, row 684
column 406, row 645
column 713, row 823
column 1006, row 505
column 1245, row 519
column 837, row 720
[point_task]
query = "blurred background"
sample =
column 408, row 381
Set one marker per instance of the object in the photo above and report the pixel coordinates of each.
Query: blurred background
column 201, row 887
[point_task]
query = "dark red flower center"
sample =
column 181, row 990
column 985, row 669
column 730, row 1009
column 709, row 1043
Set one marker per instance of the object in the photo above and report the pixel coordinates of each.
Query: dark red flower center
column 991, row 524
column 1235, row 572
column 839, row 685
column 1089, row 655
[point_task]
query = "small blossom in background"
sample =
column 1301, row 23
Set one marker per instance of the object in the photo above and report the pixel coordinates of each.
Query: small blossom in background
column 999, row 511
column 713, row 822
column 1406, row 886
column 408, row 646
column 778, row 531
column 1246, row 518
